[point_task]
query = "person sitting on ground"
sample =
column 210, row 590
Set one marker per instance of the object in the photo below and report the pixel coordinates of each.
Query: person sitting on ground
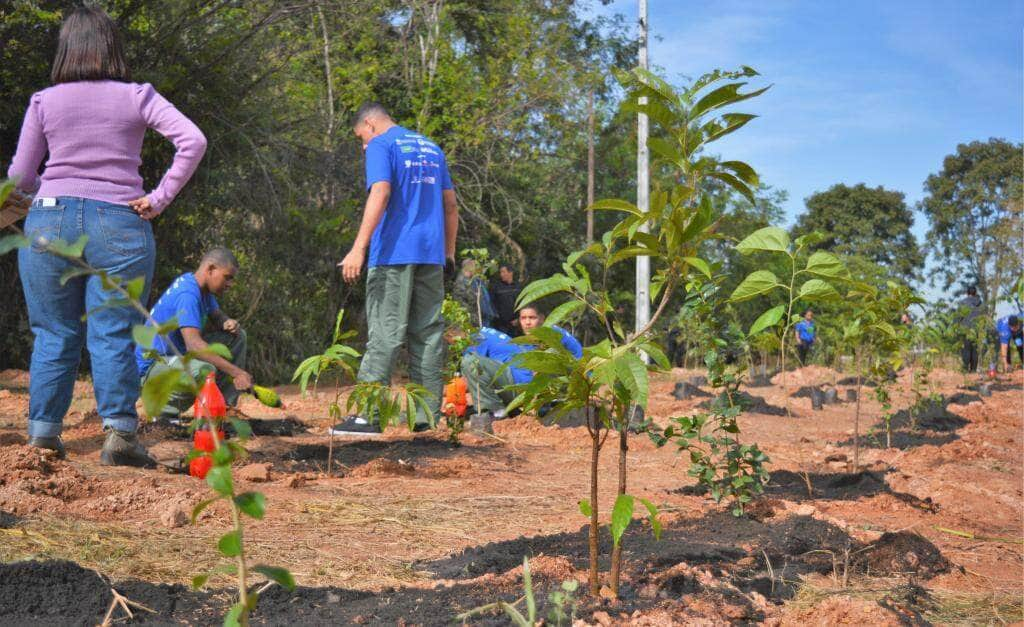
column 1010, row 331
column 969, row 309
column 504, row 293
column 471, row 291
column 484, row 362
column 806, row 334
column 191, row 299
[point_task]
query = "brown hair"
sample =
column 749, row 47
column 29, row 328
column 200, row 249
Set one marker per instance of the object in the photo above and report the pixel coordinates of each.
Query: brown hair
column 89, row 49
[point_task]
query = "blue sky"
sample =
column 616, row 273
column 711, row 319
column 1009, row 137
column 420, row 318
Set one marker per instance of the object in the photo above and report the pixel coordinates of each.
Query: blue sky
column 864, row 91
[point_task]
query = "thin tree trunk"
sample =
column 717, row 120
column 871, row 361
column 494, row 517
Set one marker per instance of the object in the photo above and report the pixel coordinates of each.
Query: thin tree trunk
column 590, row 167
column 617, row 551
column 595, row 452
column 856, row 420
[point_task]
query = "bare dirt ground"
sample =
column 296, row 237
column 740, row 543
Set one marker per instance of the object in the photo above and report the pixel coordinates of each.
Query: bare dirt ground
column 413, row 530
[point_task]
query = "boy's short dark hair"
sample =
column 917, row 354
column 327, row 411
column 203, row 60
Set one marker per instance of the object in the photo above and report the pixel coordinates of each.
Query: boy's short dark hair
column 220, row 257
column 1014, row 321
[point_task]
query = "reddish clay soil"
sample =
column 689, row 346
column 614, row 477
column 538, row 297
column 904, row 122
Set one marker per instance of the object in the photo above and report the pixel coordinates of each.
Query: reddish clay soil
column 414, row 530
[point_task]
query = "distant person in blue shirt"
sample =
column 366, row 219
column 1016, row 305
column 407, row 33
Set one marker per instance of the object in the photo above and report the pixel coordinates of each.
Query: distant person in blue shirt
column 806, row 334
column 407, row 240
column 192, row 300
column 1010, row 331
column 483, row 363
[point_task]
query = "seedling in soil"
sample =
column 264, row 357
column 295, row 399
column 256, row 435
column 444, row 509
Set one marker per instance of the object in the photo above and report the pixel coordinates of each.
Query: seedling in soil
column 611, row 378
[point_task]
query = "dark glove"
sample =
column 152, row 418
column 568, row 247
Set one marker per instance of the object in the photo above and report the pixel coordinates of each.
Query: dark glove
column 449, row 268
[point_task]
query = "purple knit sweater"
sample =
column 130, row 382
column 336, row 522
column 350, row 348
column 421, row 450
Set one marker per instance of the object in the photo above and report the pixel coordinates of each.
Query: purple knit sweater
column 93, row 132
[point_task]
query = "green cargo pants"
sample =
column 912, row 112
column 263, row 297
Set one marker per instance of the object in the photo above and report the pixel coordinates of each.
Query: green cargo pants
column 485, row 379
column 403, row 305
column 180, row 402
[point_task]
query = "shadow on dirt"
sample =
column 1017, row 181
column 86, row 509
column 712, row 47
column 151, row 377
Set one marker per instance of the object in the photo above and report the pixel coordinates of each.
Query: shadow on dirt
column 746, row 401
column 932, row 424
column 290, row 457
column 840, row 486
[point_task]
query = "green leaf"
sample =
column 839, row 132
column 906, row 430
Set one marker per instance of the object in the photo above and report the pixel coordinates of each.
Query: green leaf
column 700, row 264
column 144, row 335
column 216, row 349
column 622, row 515
column 219, row 479
column 723, row 96
column 768, row 319
column 757, row 283
column 62, row 248
column 72, row 272
column 615, row 204
column 135, row 287
column 770, row 238
column 242, row 428
column 585, row 508
column 157, row 390
column 563, row 311
column 200, row 580
column 234, row 616
column 222, row 455
column 10, row 242
column 276, row 574
column 632, row 372
column 665, row 149
column 543, row 287
column 652, row 515
column 742, row 171
column 735, row 183
column 198, row 509
column 826, row 264
column 817, row 289
column 531, row 605
column 230, row 544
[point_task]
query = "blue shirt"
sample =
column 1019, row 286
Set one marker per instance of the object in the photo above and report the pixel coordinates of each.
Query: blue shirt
column 184, row 300
column 805, row 331
column 412, row 229
column 1005, row 333
column 499, row 347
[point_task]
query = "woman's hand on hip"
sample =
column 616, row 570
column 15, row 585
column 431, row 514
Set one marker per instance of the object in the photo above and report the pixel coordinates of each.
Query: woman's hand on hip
column 144, row 208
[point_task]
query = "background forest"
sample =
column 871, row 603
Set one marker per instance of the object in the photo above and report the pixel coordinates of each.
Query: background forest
column 507, row 88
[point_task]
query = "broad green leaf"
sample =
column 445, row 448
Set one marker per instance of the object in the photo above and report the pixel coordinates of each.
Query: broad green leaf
column 826, row 264
column 585, row 508
column 276, row 574
column 222, row 455
column 230, row 544
column 757, row 282
column 622, row 515
column 770, row 238
column 666, row 149
column 6, row 187
column 742, row 188
column 135, row 287
column 723, row 96
column 700, row 264
column 72, row 272
column 729, row 123
column 629, row 252
column 742, row 171
column 632, row 372
column 75, row 250
column 234, row 616
column 817, row 289
column 157, row 390
column 242, row 428
column 200, row 580
column 531, row 604
column 10, row 242
column 652, row 514
column 563, row 311
column 144, row 335
column 615, row 204
column 543, row 287
column 768, row 319
column 216, row 349
column 219, row 479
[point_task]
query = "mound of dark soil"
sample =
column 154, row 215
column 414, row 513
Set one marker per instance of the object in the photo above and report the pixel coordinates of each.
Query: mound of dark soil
column 278, row 426
column 349, row 453
column 7, row 520
column 963, row 398
column 853, row 381
column 902, row 553
column 840, row 486
column 746, row 401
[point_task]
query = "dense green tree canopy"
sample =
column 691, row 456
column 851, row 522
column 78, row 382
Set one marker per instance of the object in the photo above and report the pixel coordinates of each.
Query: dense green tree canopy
column 973, row 206
column 873, row 223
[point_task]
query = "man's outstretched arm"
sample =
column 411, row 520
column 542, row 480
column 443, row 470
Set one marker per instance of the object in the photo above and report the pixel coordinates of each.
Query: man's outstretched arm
column 376, row 204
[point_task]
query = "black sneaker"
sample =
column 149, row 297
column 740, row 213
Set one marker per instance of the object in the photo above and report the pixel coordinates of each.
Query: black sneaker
column 122, row 448
column 356, row 425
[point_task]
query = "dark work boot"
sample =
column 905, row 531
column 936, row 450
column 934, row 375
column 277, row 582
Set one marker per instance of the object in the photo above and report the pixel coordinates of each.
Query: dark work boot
column 122, row 448
column 50, row 444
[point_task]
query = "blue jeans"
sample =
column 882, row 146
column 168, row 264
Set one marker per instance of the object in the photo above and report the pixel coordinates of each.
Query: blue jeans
column 121, row 244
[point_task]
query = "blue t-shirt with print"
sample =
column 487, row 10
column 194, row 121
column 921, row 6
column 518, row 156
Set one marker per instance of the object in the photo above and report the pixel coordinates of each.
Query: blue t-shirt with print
column 185, row 301
column 499, row 347
column 805, row 330
column 1005, row 333
column 412, row 229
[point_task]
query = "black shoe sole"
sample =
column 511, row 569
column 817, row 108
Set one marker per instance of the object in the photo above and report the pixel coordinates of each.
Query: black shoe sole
column 361, row 434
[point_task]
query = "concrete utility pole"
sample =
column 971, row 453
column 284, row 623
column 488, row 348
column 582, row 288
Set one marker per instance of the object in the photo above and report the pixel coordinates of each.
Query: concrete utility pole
column 590, row 167
column 643, row 264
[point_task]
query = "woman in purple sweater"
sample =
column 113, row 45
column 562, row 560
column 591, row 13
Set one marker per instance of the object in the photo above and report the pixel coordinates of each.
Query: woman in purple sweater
column 91, row 122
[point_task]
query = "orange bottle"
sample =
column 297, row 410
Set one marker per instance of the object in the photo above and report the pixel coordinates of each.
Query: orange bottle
column 455, row 397
column 209, row 405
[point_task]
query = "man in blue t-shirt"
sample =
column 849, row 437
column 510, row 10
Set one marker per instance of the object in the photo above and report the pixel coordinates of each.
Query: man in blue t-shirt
column 406, row 238
column 192, row 301
column 1010, row 331
column 483, row 363
column 806, row 334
